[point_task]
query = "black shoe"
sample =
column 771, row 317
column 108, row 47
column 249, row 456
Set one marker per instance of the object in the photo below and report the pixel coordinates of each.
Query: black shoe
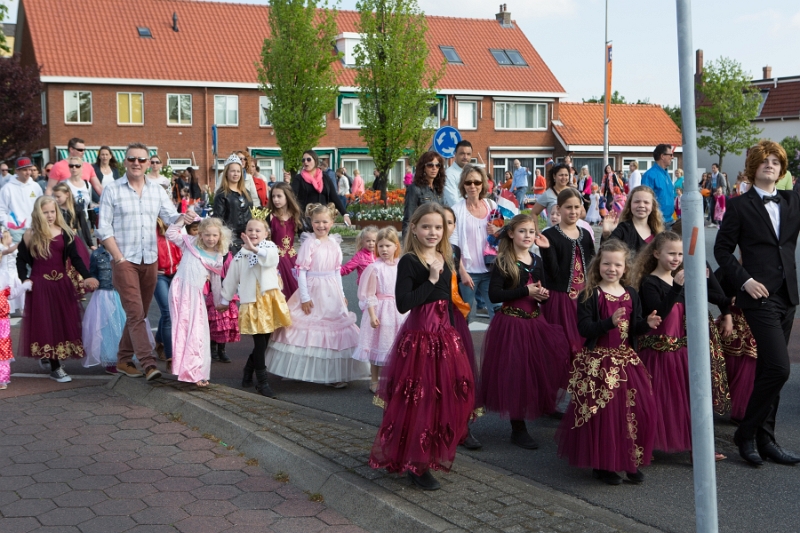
column 772, row 451
column 262, row 386
column 747, row 450
column 247, row 375
column 635, row 477
column 471, row 443
column 426, row 481
column 214, row 354
column 223, row 357
column 607, row 477
column 524, row 440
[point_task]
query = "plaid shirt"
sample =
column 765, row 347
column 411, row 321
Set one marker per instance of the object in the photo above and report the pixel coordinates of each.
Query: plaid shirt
column 131, row 219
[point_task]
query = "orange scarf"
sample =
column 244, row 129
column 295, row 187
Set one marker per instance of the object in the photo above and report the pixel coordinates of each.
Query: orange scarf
column 461, row 305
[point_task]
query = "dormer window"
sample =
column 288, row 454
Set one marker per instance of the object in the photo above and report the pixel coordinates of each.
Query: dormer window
column 346, row 44
column 144, row 32
column 450, row 54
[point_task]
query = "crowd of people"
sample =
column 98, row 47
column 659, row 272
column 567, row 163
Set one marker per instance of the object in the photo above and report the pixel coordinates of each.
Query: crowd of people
column 595, row 333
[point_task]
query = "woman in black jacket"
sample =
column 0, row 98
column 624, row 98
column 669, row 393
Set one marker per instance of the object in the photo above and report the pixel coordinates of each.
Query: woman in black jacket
column 232, row 203
column 311, row 187
column 428, row 185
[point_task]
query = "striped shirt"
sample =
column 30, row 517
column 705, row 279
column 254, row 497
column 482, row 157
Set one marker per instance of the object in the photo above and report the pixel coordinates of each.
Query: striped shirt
column 131, row 219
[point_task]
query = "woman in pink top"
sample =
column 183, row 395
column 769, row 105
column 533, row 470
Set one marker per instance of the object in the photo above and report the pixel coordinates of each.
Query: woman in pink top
column 358, row 184
column 365, row 255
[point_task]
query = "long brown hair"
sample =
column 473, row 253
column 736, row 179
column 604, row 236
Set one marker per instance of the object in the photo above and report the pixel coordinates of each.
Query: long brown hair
column 420, row 180
column 412, row 245
column 655, row 221
column 646, row 261
column 292, row 207
column 593, row 277
column 506, row 262
column 225, row 187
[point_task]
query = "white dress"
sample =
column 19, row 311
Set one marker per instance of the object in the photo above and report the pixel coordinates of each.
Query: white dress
column 593, row 214
column 376, row 289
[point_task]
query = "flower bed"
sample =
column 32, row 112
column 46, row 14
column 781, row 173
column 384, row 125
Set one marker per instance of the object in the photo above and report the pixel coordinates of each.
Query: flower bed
column 369, row 206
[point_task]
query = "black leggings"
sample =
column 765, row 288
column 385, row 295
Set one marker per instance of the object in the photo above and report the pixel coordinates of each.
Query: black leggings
column 260, row 343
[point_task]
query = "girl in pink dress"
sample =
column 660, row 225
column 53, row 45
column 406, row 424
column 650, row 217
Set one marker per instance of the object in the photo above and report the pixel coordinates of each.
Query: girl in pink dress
column 285, row 223
column 223, row 324
column 608, row 426
column 719, row 210
column 381, row 321
column 358, row 184
column 318, row 346
column 366, row 252
column 201, row 262
column 10, row 288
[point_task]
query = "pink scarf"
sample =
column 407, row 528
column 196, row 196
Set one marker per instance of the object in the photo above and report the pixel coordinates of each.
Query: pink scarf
column 315, row 180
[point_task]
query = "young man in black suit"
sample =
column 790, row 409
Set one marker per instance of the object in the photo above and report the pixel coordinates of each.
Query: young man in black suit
column 764, row 223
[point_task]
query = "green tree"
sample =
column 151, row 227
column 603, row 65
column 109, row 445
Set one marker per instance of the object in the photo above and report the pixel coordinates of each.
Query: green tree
column 3, row 13
column 420, row 144
column 396, row 86
column 728, row 104
column 616, row 98
column 296, row 74
column 792, row 147
column 674, row 112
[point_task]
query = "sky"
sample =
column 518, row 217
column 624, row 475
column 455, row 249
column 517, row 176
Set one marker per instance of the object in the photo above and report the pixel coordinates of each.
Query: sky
column 569, row 35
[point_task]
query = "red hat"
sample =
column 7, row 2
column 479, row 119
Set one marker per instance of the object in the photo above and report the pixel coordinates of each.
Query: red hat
column 24, row 162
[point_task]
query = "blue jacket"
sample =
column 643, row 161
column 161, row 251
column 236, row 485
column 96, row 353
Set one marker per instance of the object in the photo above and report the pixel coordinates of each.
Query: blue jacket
column 100, row 268
column 658, row 179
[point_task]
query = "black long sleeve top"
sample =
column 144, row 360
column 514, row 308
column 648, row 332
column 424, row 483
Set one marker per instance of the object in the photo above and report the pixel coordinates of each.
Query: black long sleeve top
column 592, row 326
column 307, row 194
column 234, row 210
column 413, row 288
column 559, row 258
column 626, row 232
column 25, row 259
column 659, row 296
column 500, row 289
column 79, row 225
column 415, row 197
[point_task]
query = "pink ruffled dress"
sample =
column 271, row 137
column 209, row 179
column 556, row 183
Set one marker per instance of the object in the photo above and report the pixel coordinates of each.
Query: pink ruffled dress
column 376, row 289
column 318, row 347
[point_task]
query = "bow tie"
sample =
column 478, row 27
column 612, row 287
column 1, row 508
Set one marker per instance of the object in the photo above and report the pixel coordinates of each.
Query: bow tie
column 768, row 199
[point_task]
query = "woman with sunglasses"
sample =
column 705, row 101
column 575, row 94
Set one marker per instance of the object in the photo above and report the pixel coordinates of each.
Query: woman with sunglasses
column 310, row 187
column 428, row 185
column 232, row 201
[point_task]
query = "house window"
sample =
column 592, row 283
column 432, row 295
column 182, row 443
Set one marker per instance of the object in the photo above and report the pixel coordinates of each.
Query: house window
column 144, row 32
column 516, row 58
column 467, row 115
column 366, row 168
column 43, row 97
column 519, row 116
column 226, row 110
column 501, row 57
column 450, row 54
column 349, row 114
column 263, row 111
column 433, row 120
column 129, row 108
column 78, row 107
column 180, row 163
column 179, row 109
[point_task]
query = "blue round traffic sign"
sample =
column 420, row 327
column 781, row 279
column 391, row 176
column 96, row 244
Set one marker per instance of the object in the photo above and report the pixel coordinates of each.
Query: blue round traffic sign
column 445, row 140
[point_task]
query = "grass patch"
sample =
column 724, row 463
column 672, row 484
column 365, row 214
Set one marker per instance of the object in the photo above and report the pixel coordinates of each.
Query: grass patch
column 315, row 497
column 345, row 231
column 251, row 462
column 281, row 477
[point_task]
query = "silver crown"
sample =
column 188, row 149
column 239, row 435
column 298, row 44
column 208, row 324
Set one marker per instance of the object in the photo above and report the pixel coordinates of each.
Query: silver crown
column 233, row 159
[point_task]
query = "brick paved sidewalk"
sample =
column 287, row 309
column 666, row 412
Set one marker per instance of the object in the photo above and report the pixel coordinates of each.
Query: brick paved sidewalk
column 89, row 460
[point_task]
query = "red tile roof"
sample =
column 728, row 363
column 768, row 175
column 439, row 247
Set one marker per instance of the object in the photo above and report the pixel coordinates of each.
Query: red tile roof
column 629, row 125
column 219, row 42
column 783, row 100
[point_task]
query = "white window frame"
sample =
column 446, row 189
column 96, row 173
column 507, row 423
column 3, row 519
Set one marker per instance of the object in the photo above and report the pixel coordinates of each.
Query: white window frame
column 181, row 163
column 474, row 105
column 130, row 109
column 499, row 108
column 263, row 103
column 191, row 109
column 356, row 123
column 77, row 96
column 228, row 99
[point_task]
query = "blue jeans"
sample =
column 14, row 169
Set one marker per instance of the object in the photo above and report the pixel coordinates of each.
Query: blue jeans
column 164, row 333
column 481, row 282
column 519, row 192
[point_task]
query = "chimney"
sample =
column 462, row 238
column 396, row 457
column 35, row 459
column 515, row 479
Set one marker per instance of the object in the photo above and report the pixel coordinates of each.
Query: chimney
column 698, row 60
column 767, row 72
column 504, row 17
column 175, row 21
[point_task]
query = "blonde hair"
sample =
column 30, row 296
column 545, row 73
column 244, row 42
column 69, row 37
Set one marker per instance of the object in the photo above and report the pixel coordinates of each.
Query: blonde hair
column 646, row 261
column 593, row 277
column 70, row 207
column 316, row 209
column 655, row 221
column 40, row 229
column 412, row 246
column 226, row 187
column 362, row 236
column 224, row 234
column 506, row 262
column 390, row 234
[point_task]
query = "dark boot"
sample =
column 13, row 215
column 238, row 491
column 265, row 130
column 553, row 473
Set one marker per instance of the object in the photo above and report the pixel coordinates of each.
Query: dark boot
column 470, row 442
column 223, row 357
column 247, row 376
column 520, row 436
column 214, row 355
column 262, row 386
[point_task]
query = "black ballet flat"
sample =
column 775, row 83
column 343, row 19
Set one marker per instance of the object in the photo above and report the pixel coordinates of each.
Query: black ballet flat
column 426, row 481
column 606, row 476
column 635, row 477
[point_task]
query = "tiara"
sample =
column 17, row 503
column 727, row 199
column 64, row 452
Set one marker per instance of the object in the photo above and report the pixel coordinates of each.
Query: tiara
column 233, row 159
column 259, row 213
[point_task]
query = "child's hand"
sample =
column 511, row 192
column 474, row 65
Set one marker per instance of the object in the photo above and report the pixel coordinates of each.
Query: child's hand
column 679, row 277
column 541, row 241
column 6, row 238
column 436, row 267
column 248, row 244
column 28, row 284
column 617, row 316
column 189, row 217
column 11, row 247
column 726, row 326
column 653, row 320
column 374, row 322
column 307, row 307
column 90, row 284
column 609, row 223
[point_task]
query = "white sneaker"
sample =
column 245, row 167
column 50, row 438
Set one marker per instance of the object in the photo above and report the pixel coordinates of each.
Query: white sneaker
column 60, row 376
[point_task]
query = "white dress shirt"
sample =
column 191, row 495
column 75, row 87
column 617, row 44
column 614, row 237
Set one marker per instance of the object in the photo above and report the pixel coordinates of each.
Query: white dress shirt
column 773, row 209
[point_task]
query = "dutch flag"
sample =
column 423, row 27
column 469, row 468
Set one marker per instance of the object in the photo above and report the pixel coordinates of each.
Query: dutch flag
column 507, row 205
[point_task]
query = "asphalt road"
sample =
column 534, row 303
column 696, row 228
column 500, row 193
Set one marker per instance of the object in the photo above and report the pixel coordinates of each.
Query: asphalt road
column 749, row 499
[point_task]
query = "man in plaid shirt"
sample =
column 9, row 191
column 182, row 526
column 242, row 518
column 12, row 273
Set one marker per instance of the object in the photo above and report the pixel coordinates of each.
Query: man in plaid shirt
column 129, row 208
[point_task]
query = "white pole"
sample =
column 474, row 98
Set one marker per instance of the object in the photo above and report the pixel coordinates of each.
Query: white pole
column 606, row 98
column 694, row 246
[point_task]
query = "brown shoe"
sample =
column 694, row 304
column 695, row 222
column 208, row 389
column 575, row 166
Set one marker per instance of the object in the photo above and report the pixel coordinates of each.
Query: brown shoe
column 129, row 369
column 160, row 352
column 152, row 373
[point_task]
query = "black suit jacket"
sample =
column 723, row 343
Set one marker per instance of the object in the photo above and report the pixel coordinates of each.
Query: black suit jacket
column 765, row 257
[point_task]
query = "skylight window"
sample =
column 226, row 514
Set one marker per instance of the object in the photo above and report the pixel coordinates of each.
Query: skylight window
column 144, row 32
column 508, row 57
column 516, row 58
column 501, row 57
column 450, row 54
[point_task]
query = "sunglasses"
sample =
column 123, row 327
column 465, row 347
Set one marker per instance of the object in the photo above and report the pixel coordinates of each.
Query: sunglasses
column 155, row 162
column 79, row 149
column 141, row 160
column 432, row 165
column 76, row 166
column 307, row 160
column 475, row 183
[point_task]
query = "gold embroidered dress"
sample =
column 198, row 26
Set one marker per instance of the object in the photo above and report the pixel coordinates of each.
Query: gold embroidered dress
column 282, row 234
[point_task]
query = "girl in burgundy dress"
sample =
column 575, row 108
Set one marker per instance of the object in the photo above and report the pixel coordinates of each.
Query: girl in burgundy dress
column 609, row 424
column 285, row 222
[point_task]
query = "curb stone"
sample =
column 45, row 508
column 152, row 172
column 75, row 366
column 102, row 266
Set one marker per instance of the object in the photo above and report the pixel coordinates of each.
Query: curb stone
column 327, row 454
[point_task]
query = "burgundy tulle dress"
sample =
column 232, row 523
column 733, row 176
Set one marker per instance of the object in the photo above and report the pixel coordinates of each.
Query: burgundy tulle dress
column 462, row 327
column 51, row 323
column 664, row 354
column 608, row 425
column 427, row 389
column 740, row 362
column 223, row 326
column 525, row 358
column 282, row 234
